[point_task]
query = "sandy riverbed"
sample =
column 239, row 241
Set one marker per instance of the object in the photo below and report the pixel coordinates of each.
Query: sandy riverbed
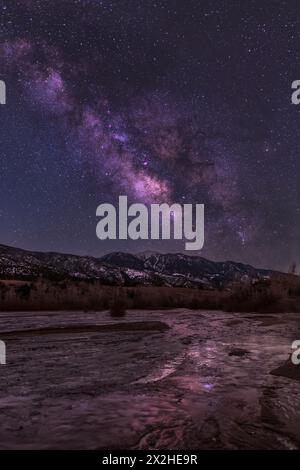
column 204, row 382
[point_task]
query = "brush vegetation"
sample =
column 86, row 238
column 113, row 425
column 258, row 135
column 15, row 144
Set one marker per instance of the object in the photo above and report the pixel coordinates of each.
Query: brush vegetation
column 271, row 295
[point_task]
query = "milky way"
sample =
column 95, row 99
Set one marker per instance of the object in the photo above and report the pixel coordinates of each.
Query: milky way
column 185, row 102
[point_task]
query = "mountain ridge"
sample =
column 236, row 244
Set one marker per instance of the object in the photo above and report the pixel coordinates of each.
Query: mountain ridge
column 120, row 268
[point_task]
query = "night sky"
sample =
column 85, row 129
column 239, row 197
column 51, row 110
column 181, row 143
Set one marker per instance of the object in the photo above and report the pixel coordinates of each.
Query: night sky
column 167, row 101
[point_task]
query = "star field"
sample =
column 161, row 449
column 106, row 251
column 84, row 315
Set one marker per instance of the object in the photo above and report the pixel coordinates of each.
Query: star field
column 170, row 101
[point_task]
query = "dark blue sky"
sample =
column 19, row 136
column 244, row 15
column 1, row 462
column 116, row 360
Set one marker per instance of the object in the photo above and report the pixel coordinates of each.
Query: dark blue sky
column 162, row 101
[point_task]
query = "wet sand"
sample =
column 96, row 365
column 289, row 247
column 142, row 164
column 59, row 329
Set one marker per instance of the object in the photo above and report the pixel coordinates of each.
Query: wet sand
column 180, row 379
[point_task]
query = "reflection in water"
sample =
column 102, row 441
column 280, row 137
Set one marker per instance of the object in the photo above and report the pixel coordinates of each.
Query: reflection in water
column 203, row 383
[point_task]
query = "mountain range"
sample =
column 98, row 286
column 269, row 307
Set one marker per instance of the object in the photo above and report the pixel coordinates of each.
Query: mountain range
column 148, row 268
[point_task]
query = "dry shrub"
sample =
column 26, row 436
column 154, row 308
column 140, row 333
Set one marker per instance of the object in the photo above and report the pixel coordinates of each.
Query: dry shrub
column 262, row 296
column 118, row 305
